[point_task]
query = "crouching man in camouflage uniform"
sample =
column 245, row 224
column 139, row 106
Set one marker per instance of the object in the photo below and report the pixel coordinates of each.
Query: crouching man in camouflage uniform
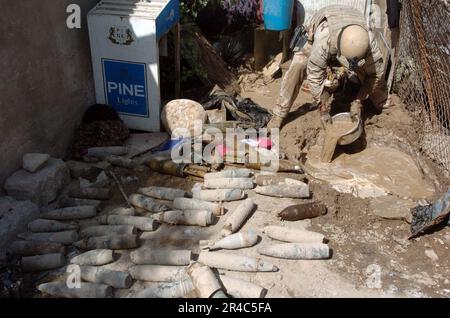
column 337, row 36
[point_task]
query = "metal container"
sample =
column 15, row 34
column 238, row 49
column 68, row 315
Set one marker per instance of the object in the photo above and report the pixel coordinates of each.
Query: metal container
column 353, row 134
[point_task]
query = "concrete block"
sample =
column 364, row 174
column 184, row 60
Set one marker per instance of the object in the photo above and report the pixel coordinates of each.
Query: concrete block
column 14, row 218
column 33, row 162
column 41, row 187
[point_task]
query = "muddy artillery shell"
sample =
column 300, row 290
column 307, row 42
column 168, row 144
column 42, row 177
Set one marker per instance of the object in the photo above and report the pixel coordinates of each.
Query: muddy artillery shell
column 232, row 242
column 141, row 223
column 293, row 235
column 238, row 288
column 177, row 289
column 72, row 213
column 158, row 273
column 194, row 218
column 31, row 248
column 232, row 173
column 162, row 193
column 194, row 204
column 103, row 152
column 237, row 218
column 274, row 179
column 147, row 256
column 235, row 262
column 219, row 195
column 42, row 225
column 123, row 211
column 307, row 251
column 118, row 242
column 66, row 237
column 112, row 278
column 285, row 191
column 42, row 262
column 86, row 290
column 105, row 230
column 303, row 211
column 230, row 183
column 91, row 193
column 71, row 202
column 94, row 258
column 205, row 282
column 121, row 161
column 146, row 203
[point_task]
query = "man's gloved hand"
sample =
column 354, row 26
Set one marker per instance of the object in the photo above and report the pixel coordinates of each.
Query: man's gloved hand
column 356, row 108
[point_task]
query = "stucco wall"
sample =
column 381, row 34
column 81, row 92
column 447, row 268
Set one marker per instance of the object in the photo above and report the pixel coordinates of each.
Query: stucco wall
column 45, row 79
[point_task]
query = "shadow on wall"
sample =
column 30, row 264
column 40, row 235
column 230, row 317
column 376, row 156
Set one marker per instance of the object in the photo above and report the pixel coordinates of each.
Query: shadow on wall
column 46, row 79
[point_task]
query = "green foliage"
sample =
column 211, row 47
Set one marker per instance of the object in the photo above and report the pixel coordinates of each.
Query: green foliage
column 190, row 8
column 191, row 55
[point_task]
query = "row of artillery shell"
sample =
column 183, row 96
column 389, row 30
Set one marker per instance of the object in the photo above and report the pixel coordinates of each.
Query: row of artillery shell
column 194, row 204
column 91, row 193
column 144, row 224
column 143, row 202
column 117, row 242
column 238, row 217
column 162, row 193
column 219, row 195
column 232, row 242
column 230, row 183
column 71, row 213
column 192, row 217
column 145, row 256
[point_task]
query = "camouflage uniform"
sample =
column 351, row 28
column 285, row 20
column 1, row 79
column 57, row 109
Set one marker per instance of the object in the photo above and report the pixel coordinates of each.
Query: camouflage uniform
column 312, row 60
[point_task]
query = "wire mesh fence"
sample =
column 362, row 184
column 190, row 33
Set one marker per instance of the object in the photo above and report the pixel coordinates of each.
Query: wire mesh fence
column 422, row 73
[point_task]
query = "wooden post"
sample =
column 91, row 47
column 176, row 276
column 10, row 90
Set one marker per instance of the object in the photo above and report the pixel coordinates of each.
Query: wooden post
column 177, row 42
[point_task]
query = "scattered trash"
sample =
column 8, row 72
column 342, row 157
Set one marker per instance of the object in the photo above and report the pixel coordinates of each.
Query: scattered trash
column 303, row 211
column 180, row 116
column 105, row 152
column 425, row 218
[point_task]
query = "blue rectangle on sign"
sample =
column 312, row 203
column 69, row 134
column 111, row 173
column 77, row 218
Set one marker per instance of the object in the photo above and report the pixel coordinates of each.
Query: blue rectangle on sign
column 126, row 87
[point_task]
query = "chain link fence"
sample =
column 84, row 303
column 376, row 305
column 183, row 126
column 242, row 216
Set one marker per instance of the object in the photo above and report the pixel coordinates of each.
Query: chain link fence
column 422, row 73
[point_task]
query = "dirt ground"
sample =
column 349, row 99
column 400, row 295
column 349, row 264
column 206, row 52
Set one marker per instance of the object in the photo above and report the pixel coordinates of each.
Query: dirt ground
column 372, row 257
